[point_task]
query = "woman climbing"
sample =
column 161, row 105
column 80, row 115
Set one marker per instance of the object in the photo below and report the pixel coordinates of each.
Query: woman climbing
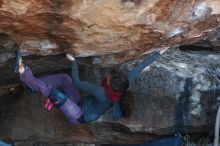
column 62, row 92
column 112, row 91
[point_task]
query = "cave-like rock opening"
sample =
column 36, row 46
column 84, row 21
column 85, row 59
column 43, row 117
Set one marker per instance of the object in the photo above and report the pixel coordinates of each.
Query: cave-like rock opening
column 177, row 93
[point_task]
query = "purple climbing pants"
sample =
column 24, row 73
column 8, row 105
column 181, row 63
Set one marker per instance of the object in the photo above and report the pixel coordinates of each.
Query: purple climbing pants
column 44, row 85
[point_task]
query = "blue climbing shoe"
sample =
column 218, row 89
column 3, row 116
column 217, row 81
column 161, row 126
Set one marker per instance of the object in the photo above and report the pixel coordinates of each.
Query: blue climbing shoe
column 18, row 60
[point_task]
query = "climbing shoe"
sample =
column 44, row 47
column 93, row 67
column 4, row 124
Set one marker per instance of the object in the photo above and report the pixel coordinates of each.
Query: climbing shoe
column 18, row 60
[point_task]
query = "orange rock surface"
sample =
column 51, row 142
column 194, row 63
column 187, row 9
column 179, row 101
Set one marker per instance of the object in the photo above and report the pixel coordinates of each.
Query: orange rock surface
column 125, row 28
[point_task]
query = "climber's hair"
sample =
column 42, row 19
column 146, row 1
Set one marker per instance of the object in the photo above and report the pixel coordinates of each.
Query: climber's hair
column 119, row 80
column 120, row 83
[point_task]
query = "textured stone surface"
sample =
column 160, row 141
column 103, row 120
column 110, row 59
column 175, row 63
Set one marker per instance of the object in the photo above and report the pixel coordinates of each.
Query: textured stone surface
column 176, row 95
column 117, row 27
column 29, row 143
column 176, row 91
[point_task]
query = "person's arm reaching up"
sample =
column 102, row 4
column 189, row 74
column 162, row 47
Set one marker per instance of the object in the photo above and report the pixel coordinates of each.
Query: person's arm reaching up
column 137, row 69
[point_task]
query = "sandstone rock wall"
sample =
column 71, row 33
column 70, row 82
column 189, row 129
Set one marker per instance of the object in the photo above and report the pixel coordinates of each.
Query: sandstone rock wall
column 176, row 94
column 96, row 27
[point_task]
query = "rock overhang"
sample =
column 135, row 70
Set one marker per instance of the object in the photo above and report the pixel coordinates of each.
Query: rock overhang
column 107, row 33
column 97, row 28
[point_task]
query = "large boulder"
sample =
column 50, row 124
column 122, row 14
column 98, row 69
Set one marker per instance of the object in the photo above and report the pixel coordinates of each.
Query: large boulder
column 177, row 94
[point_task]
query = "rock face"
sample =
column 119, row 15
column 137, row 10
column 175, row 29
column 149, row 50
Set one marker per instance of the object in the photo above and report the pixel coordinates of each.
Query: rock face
column 126, row 29
column 175, row 95
column 112, row 31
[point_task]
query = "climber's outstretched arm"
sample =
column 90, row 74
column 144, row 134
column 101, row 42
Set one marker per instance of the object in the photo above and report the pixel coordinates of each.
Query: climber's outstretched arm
column 137, row 69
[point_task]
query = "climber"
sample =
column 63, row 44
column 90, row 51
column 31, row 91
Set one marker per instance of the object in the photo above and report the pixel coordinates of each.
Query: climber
column 62, row 93
column 113, row 90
